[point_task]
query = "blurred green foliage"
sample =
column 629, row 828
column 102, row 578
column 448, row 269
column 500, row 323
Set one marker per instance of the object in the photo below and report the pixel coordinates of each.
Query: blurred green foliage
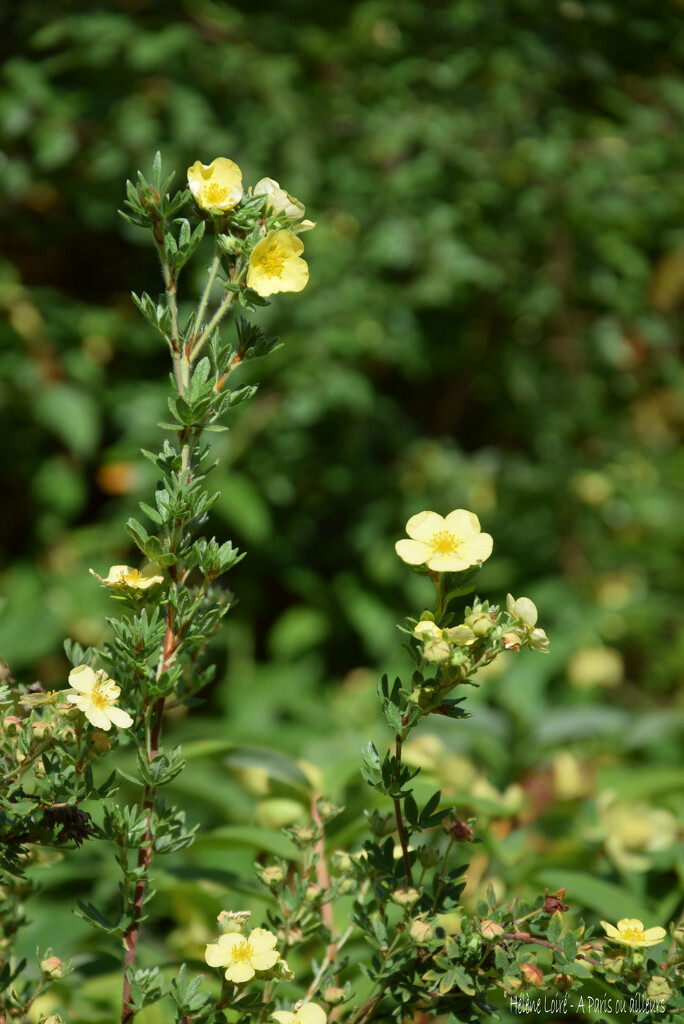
column 493, row 322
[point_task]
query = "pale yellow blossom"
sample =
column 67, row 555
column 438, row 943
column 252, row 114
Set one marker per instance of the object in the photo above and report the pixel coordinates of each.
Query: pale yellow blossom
column 275, row 264
column 280, row 201
column 124, row 577
column 95, row 694
column 445, row 544
column 217, row 185
column 630, row 932
column 308, row 1013
column 241, row 955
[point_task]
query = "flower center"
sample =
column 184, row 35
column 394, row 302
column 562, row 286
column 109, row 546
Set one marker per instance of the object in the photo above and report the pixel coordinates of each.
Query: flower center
column 242, row 952
column 272, row 264
column 99, row 698
column 444, row 543
column 633, row 934
column 213, row 193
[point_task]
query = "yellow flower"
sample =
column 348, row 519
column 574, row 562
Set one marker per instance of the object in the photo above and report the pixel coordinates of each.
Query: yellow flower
column 39, row 700
column 216, row 186
column 445, row 544
column 630, row 932
column 94, row 693
column 126, row 578
column 309, row 1013
column 276, row 265
column 243, row 956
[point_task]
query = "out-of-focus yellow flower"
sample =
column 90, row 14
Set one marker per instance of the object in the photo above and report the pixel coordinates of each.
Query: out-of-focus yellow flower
column 596, row 666
column 123, row 577
column 630, row 932
column 445, row 544
column 309, row 1013
column 39, row 700
column 280, row 201
column 95, row 694
column 217, row 185
column 242, row 956
column 276, row 265
column 571, row 777
column 632, row 831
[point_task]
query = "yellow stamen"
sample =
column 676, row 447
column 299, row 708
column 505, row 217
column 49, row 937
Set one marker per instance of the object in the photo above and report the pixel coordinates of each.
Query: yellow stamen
column 272, row 264
column 444, row 543
column 213, row 194
column 99, row 698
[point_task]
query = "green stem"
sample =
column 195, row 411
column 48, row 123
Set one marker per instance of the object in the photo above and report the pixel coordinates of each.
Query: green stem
column 202, row 308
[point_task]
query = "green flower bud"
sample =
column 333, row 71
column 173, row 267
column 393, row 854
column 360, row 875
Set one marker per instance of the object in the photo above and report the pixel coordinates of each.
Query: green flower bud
column 405, row 896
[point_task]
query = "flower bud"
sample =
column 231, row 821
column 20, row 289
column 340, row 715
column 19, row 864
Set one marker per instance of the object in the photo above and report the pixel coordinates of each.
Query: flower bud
column 272, row 875
column 234, row 920
column 563, row 981
column 659, row 989
column 328, row 811
column 381, row 824
column 405, row 896
column 51, row 967
column 100, row 742
column 282, row 971
column 614, row 960
column 428, row 856
column 302, row 836
column 334, row 995
column 341, row 862
column 532, row 974
column 480, row 623
column 539, row 641
column 347, row 886
column 511, row 640
column 490, row 929
column 13, row 725
column 41, row 730
column 314, row 893
column 420, row 932
column 522, row 609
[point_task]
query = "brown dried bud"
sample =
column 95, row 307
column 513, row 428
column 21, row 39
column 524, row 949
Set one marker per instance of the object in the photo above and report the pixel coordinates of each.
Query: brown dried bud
column 563, row 981
column 460, row 831
column 554, row 902
column 532, row 974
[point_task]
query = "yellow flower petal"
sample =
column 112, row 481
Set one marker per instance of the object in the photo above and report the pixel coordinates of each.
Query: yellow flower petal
column 413, row 552
column 216, row 955
column 284, row 1017
column 423, row 525
column 82, row 678
column 239, row 972
column 310, row 1013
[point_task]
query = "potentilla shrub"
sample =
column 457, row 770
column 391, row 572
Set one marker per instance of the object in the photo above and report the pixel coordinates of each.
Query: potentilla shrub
column 425, row 958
